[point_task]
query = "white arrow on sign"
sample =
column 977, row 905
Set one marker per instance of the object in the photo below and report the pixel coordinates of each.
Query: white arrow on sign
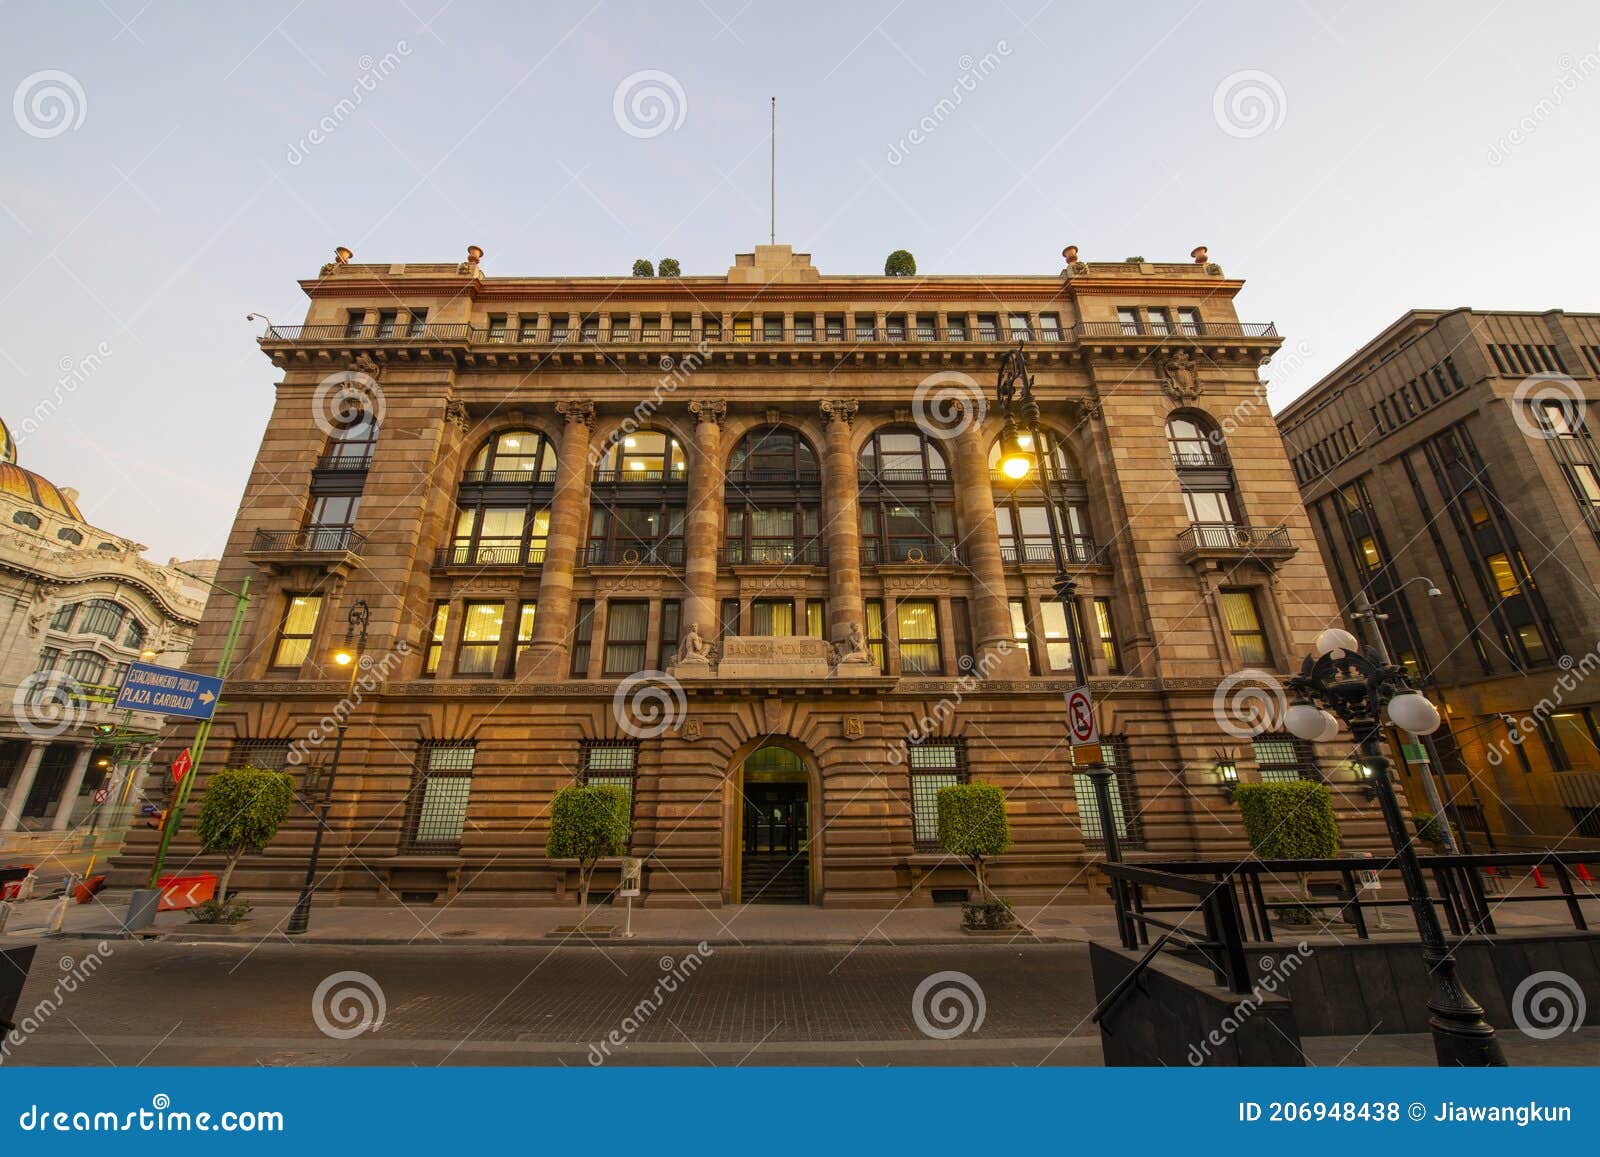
column 189, row 895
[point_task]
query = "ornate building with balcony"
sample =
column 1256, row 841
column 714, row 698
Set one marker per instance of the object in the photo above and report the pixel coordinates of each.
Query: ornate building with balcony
column 77, row 604
column 740, row 544
column 1452, row 479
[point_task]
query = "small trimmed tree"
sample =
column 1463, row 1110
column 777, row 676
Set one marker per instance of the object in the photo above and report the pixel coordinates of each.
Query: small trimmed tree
column 1289, row 821
column 669, row 267
column 643, row 268
column 241, row 812
column 588, row 824
column 973, row 824
column 900, row 263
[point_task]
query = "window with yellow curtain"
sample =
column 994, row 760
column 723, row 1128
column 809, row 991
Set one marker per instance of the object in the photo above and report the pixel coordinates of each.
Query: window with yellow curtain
column 1057, row 643
column 480, row 638
column 1243, row 618
column 441, row 617
column 917, row 624
column 525, row 617
column 299, row 624
column 773, row 617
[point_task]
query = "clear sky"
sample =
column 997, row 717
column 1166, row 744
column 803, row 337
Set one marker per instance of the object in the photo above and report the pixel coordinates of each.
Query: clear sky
column 1349, row 161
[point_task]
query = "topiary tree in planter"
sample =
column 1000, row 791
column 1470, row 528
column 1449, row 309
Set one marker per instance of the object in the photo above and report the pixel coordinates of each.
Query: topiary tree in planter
column 1289, row 821
column 242, row 810
column 669, row 267
column 973, row 824
column 1428, row 828
column 588, row 824
column 900, row 263
column 643, row 268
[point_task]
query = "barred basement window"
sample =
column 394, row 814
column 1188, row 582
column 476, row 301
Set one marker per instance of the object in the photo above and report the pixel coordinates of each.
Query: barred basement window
column 1124, row 797
column 441, row 785
column 1282, row 758
column 611, row 763
column 933, row 766
column 271, row 754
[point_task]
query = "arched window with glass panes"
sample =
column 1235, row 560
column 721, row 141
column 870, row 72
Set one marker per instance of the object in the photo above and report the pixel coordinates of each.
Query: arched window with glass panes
column 773, row 499
column 907, row 499
column 1210, row 499
column 352, row 440
column 503, row 503
column 636, row 506
column 1021, row 508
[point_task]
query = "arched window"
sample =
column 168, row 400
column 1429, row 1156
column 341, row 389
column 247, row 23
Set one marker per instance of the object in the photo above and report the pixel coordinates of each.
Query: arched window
column 134, row 636
column 103, row 617
column 350, row 446
column 643, row 456
column 26, row 518
column 85, row 667
column 1201, row 459
column 907, row 501
column 1021, row 509
column 774, row 500
column 67, row 534
column 503, row 505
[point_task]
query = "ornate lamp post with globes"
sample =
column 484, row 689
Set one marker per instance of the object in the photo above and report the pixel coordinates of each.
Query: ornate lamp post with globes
column 1342, row 684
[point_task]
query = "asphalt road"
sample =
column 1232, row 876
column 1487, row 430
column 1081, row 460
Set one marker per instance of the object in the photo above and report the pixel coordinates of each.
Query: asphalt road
column 148, row 1003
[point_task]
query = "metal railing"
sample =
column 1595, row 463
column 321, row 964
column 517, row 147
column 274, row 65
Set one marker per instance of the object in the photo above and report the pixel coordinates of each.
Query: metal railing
column 313, row 540
column 867, row 476
column 623, row 477
column 490, row 554
column 752, row 476
column 1085, row 329
column 1460, row 888
column 773, row 554
column 427, row 331
column 634, row 554
column 1214, row 457
column 1202, row 536
column 344, row 463
column 508, row 478
column 928, row 552
column 1078, row 548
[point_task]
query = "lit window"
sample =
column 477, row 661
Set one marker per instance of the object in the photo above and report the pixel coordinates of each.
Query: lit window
column 1057, row 642
column 299, row 625
column 441, row 787
column 627, row 627
column 480, row 638
column 441, row 617
column 917, row 626
column 1105, row 626
column 1505, row 578
column 1243, row 618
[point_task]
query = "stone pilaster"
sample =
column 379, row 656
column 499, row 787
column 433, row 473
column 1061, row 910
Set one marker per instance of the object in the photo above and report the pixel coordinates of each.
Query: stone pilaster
column 703, row 520
column 70, row 790
column 26, row 776
column 995, row 650
column 552, row 626
column 842, row 515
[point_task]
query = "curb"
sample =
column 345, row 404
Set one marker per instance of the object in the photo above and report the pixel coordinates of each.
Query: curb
column 953, row 941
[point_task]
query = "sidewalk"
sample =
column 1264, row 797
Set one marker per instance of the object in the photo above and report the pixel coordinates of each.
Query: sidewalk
column 757, row 924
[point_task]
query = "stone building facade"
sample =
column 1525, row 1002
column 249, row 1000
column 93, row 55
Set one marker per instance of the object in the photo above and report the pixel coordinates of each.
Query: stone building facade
column 1453, row 452
column 729, row 541
column 77, row 604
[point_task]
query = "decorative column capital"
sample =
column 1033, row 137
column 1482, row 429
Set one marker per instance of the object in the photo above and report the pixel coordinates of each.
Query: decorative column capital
column 576, row 410
column 713, row 410
column 838, row 410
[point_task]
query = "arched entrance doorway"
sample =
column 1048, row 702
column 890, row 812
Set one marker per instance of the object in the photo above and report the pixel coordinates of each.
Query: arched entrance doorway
column 774, row 828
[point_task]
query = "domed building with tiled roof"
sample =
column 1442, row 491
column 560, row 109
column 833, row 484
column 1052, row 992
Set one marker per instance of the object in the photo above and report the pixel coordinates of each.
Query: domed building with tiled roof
column 77, row 605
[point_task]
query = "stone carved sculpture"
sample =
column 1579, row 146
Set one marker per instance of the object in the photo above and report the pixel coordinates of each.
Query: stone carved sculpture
column 1180, row 378
column 695, row 654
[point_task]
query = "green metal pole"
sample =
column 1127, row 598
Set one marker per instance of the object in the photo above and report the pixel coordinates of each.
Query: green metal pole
column 175, row 817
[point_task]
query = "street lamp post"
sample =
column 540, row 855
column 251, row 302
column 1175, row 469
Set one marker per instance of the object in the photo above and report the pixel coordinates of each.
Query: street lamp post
column 345, row 656
column 1014, row 386
column 1341, row 683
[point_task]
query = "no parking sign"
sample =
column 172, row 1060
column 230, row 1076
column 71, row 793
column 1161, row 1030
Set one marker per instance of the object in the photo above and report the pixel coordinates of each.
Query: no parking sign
column 1081, row 726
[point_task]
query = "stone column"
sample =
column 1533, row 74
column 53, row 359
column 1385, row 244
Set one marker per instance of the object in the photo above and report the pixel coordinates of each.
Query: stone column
column 703, row 520
column 24, row 785
column 995, row 650
column 842, row 518
column 69, row 793
column 546, row 657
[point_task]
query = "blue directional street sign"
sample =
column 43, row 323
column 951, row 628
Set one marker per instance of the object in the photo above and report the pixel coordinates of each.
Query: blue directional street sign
column 169, row 691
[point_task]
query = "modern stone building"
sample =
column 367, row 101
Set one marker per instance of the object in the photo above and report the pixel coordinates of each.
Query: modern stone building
column 1453, row 451
column 77, row 604
column 729, row 540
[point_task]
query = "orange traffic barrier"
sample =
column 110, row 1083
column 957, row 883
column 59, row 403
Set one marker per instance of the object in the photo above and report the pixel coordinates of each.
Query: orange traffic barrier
column 1538, row 879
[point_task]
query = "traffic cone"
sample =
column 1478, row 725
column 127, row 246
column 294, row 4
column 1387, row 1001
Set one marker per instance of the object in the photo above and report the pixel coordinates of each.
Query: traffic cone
column 1538, row 879
column 1583, row 873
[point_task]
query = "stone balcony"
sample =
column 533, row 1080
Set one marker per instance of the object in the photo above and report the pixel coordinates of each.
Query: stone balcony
column 1221, row 543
